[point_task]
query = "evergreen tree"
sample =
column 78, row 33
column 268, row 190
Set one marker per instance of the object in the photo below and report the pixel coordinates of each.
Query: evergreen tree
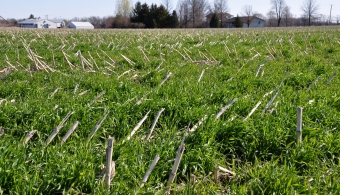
column 31, row 16
column 238, row 22
column 136, row 13
column 140, row 13
column 214, row 21
column 154, row 23
column 174, row 20
column 151, row 17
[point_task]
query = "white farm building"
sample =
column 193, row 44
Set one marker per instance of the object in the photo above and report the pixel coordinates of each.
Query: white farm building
column 60, row 23
column 37, row 23
column 80, row 25
column 255, row 22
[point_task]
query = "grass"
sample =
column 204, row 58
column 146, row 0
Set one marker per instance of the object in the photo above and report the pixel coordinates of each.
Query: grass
column 261, row 150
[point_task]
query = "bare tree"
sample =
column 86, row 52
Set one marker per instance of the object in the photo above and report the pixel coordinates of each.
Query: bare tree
column 123, row 10
column 197, row 10
column 271, row 18
column 310, row 9
column 259, row 15
column 337, row 19
column 183, row 13
column 108, row 21
column 278, row 6
column 287, row 16
column 221, row 7
column 249, row 14
column 168, row 5
column 75, row 19
column 96, row 21
column 84, row 19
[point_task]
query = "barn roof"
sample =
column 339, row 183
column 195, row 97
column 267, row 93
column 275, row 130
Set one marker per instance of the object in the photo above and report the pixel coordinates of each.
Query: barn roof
column 57, row 20
column 31, row 21
column 82, row 24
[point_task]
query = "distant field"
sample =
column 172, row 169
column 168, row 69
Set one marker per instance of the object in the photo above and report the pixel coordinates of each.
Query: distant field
column 258, row 77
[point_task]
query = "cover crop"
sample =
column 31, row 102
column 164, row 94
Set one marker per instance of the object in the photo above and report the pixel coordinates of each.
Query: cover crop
column 234, row 91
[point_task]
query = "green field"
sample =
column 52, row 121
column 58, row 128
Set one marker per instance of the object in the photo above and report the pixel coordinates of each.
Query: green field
column 46, row 74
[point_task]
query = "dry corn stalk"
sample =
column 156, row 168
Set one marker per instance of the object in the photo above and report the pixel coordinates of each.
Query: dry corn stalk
column 128, row 60
column 98, row 124
column 270, row 102
column 124, row 73
column 174, row 169
column 252, row 111
column 67, row 135
column 137, row 126
column 154, row 124
column 57, row 129
column 84, row 62
column 199, row 123
column 82, row 93
column 311, row 85
column 109, row 164
column 167, row 76
column 39, row 64
column 199, row 79
column 148, row 172
column 98, row 96
column 217, row 174
column 330, row 79
column 68, row 62
column 218, row 115
column 54, row 92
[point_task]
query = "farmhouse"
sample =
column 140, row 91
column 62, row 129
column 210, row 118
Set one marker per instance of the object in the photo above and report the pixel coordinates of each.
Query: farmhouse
column 37, row 23
column 80, row 25
column 255, row 22
column 223, row 18
column 60, row 23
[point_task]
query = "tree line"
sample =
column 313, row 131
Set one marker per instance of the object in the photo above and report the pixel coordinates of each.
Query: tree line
column 201, row 14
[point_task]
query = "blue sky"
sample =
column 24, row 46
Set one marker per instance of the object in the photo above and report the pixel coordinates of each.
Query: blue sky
column 81, row 8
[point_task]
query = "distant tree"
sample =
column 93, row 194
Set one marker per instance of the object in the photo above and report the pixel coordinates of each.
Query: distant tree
column 135, row 17
column 108, row 21
column 214, row 21
column 183, row 11
column 12, row 21
column 287, row 16
column 221, row 7
column 84, row 19
column 337, row 19
column 75, row 19
column 153, row 17
column 259, row 15
column 96, row 21
column 271, row 19
column 249, row 14
column 310, row 9
column 31, row 16
column 238, row 22
column 174, row 20
column 140, row 13
column 123, row 10
column 197, row 11
column 168, row 5
column 278, row 6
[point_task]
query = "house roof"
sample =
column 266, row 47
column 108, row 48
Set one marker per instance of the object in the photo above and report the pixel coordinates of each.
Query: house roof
column 82, row 24
column 30, row 21
column 57, row 20
column 225, row 15
column 243, row 18
column 39, row 20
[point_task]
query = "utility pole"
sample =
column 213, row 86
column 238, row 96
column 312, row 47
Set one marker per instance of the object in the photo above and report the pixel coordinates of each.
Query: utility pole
column 330, row 15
